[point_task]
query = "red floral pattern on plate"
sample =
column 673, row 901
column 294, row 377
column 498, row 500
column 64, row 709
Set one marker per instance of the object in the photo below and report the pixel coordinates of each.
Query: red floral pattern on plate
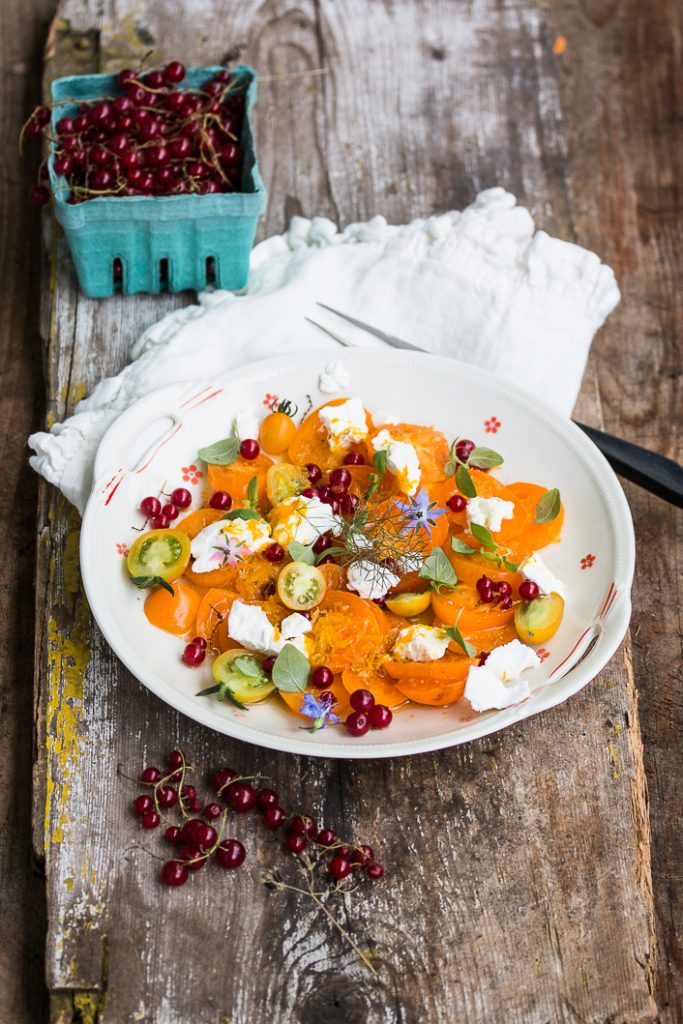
column 191, row 474
column 122, row 549
column 270, row 400
column 492, row 425
column 542, row 654
column 588, row 561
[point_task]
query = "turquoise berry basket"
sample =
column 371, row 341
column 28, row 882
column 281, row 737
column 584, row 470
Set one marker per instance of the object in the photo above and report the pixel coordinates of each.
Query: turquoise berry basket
column 164, row 243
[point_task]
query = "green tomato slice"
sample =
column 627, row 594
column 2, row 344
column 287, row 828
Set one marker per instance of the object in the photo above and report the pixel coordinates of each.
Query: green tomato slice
column 242, row 673
column 163, row 553
column 301, row 586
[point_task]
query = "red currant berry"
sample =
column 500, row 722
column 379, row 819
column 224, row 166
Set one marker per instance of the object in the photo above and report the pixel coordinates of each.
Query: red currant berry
column 221, row 500
column 505, row 604
column 267, row 798
column 42, row 115
column 362, row 854
column 213, row 811
column 181, row 147
column 274, row 817
column 63, row 165
column 174, row 873
column 354, row 459
column 125, row 76
column 322, row 677
column 205, row 836
column 274, row 553
column 189, row 792
column 323, row 543
column 150, row 820
column 309, row 492
column 65, row 126
column 326, row 837
column 188, row 832
column 175, row 759
column 200, row 642
column 295, row 844
column 222, row 778
column 361, row 700
column 230, row 854
column 339, row 868
column 486, row 595
column 457, row 503
column 192, row 856
column 380, row 717
column 504, row 588
column 357, row 723
column 170, row 510
column 250, row 449
column 349, row 504
column 268, row 663
column 174, row 72
column 464, row 449
column 160, row 523
column 181, row 497
column 374, row 871
column 167, row 796
column 39, row 195
column 151, row 774
column 528, row 590
column 241, row 796
column 303, row 825
column 193, row 655
column 340, row 478
column 143, row 804
column 327, row 697
column 483, row 657
column 484, row 583
column 314, row 472
column 172, row 835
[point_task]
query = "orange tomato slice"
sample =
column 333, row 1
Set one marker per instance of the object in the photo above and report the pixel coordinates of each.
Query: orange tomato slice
column 535, row 535
column 224, row 577
column 212, row 619
column 437, row 683
column 430, row 444
column 383, row 689
column 309, row 444
column 463, row 604
column 195, row 522
column 335, row 575
column 175, row 614
column 235, row 478
column 470, row 568
column 346, row 631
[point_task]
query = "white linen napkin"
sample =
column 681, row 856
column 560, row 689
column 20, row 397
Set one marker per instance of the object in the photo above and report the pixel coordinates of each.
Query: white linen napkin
column 480, row 285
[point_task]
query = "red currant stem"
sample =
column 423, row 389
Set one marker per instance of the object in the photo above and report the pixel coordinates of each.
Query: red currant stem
column 212, row 849
column 243, row 778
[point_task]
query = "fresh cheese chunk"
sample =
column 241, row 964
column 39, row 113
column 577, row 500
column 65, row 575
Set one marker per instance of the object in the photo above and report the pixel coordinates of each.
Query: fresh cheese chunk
column 249, row 626
column 346, row 424
column 402, row 461
column 370, row 580
column 489, row 512
column 227, row 542
column 534, row 568
column 421, row 643
column 303, row 520
column 334, row 378
column 496, row 684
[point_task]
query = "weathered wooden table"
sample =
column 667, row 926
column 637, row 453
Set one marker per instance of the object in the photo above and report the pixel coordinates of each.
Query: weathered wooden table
column 520, row 868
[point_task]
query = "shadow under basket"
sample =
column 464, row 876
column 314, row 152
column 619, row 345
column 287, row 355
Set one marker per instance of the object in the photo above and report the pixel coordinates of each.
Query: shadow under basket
column 155, row 244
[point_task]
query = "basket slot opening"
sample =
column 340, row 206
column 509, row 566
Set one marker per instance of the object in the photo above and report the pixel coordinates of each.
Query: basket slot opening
column 117, row 275
column 210, row 270
column 163, row 275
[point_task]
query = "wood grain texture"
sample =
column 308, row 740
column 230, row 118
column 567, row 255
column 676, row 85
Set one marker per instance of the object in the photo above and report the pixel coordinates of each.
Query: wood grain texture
column 519, row 881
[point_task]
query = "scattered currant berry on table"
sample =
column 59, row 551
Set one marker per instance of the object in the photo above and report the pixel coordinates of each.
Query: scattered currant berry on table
column 143, row 804
column 188, row 792
column 528, row 590
column 357, row 723
column 221, row 500
column 150, row 774
column 250, row 449
column 230, row 854
column 174, row 873
column 151, row 819
column 167, row 796
column 267, row 798
column 296, row 844
column 150, row 506
column 339, row 868
column 303, row 825
column 241, row 797
column 322, row 677
column 175, row 759
column 375, row 872
column 380, row 716
column 222, row 778
column 362, row 854
column 194, row 655
column 361, row 700
column 212, row 811
column 274, row 817
column 457, row 503
column 205, row 836
column 192, row 857
column 326, row 837
column 172, row 835
column 464, row 449
column 39, row 195
column 274, row 553
column 195, row 805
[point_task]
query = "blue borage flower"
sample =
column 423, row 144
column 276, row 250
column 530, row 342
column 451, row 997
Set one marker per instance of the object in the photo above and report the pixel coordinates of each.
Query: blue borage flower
column 419, row 512
column 320, row 710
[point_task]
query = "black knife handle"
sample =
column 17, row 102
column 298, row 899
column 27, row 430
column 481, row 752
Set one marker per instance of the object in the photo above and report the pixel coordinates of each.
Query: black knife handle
column 653, row 472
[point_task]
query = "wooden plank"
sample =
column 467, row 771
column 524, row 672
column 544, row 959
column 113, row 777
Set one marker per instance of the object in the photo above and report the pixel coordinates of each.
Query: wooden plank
column 519, row 877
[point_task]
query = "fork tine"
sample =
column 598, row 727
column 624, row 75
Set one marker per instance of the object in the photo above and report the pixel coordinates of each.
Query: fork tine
column 388, row 339
column 326, row 330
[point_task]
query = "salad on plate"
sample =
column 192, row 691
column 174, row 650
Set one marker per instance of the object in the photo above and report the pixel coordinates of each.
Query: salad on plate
column 349, row 568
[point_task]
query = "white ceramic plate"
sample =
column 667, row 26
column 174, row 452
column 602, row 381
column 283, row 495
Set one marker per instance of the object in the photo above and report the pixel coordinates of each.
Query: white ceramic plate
column 154, row 445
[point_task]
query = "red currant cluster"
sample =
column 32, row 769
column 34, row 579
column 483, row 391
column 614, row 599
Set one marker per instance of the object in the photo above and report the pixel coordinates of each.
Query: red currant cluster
column 153, row 139
column 366, row 714
column 161, row 516
column 334, row 493
column 500, row 592
column 198, row 840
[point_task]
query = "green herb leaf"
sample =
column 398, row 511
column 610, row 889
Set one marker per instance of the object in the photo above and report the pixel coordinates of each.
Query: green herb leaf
column 329, row 551
column 318, row 723
column 242, row 513
column 548, row 508
column 455, row 634
column 438, row 570
column 510, row 566
column 465, row 483
column 249, row 666
column 461, row 548
column 301, row 553
column 252, row 492
column 208, row 690
column 145, row 582
column 452, row 460
column 379, row 461
column 227, row 694
column 222, row 453
column 483, row 536
column 291, row 670
column 484, row 458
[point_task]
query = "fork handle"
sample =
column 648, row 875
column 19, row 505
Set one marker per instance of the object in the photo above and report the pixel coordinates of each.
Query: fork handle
column 650, row 470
